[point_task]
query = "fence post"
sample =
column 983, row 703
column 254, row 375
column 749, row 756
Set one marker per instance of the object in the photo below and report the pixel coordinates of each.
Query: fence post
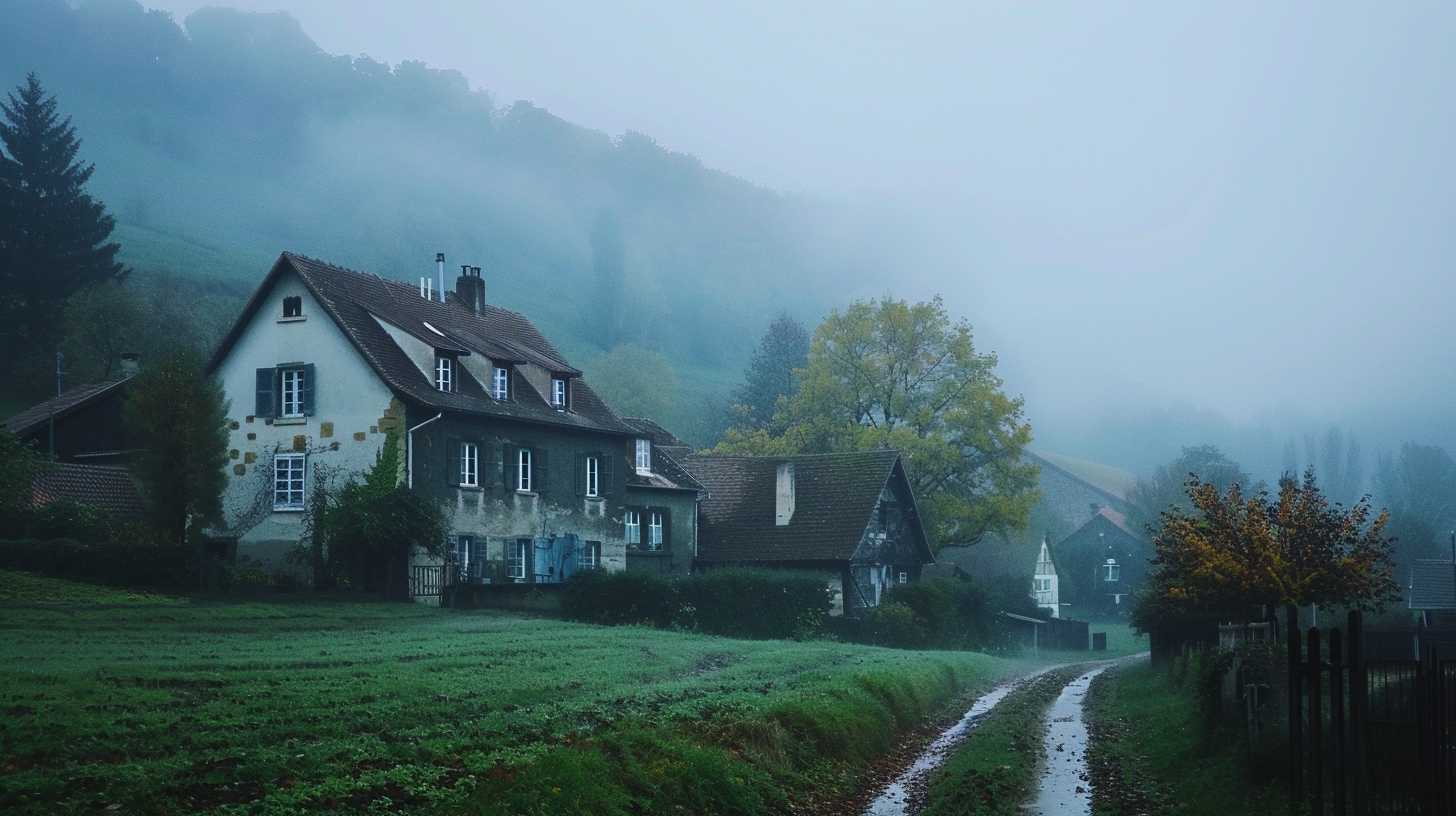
column 1337, row 721
column 1296, row 736
column 1316, row 726
column 1359, row 691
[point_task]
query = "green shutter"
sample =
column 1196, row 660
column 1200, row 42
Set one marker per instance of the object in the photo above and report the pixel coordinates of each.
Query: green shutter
column 266, row 393
column 308, row 389
column 607, row 476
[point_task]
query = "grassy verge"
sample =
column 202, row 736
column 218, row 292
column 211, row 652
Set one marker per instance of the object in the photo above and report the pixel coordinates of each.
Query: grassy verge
column 994, row 771
column 1148, row 756
column 173, row 705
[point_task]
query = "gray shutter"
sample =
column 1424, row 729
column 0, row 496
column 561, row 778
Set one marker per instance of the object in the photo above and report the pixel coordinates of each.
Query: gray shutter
column 508, row 467
column 539, row 478
column 266, row 393
column 666, row 528
column 579, row 474
column 607, row 476
column 308, row 388
column 452, row 460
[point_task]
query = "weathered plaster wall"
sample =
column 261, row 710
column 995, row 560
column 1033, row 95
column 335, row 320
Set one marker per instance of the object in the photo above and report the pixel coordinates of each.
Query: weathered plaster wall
column 495, row 512
column 677, row 557
column 352, row 411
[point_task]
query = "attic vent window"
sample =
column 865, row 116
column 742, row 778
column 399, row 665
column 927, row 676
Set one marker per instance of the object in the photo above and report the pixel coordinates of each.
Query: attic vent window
column 784, row 494
column 293, row 306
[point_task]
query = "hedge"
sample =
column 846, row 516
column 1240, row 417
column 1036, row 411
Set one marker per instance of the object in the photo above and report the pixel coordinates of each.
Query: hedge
column 166, row 566
column 732, row 602
column 754, row 603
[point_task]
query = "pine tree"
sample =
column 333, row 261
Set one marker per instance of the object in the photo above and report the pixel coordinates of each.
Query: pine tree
column 53, row 235
column 770, row 375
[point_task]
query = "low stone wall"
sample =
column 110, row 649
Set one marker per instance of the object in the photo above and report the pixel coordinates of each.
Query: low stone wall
column 543, row 599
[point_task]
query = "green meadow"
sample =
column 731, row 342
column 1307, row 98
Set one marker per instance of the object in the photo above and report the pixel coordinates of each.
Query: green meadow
column 153, row 704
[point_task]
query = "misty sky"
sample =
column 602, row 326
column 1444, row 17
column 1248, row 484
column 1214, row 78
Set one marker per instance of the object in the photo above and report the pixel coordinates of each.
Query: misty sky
column 1246, row 207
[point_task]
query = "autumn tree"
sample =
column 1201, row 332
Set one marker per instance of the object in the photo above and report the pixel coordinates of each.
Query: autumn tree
column 1234, row 552
column 53, row 234
column 892, row 374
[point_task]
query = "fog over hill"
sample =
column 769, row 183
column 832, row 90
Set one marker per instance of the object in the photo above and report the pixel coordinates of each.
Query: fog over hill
column 1174, row 226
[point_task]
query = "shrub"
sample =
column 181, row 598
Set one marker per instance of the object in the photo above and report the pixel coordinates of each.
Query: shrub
column 595, row 596
column 166, row 566
column 895, row 624
column 754, row 603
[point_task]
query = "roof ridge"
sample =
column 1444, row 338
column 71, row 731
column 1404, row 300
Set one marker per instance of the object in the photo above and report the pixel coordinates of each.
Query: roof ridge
column 749, row 456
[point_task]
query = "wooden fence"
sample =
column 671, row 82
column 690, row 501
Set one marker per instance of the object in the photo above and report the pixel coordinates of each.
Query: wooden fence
column 1368, row 736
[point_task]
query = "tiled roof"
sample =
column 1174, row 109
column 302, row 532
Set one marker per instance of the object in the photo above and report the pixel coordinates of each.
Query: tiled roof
column 834, row 496
column 667, row 453
column 355, row 299
column 1118, row 520
column 36, row 415
column 102, row 486
column 1433, row 584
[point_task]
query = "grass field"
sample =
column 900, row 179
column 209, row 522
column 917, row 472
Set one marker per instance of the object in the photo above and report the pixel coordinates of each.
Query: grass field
column 1149, row 754
column 157, row 704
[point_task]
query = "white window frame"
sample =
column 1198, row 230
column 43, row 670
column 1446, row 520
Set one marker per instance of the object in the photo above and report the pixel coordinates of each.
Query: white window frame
column 291, row 485
column 904, row 577
column 591, row 555
column 469, row 464
column 516, row 566
column 291, row 386
column 1112, row 572
column 500, row 383
column 525, row 470
column 593, row 477
column 654, row 530
column 643, row 457
column 444, row 373
column 632, row 528
column 558, row 392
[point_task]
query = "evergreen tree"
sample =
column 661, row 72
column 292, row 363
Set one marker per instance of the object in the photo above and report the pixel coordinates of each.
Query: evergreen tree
column 179, row 419
column 53, row 235
column 783, row 349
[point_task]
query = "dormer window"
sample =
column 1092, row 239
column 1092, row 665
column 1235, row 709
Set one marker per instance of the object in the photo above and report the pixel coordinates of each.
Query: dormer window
column 644, row 456
column 293, row 306
column 444, row 373
column 558, row 393
column 500, row 383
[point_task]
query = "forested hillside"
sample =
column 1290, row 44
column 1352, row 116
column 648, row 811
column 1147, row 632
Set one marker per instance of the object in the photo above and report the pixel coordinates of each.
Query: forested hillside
column 222, row 139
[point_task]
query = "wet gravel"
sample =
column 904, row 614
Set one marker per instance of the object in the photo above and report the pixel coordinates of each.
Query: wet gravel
column 1065, row 788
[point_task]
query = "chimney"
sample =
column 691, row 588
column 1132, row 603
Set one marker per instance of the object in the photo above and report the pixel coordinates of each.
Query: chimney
column 131, row 363
column 470, row 288
column 784, row 494
column 440, row 270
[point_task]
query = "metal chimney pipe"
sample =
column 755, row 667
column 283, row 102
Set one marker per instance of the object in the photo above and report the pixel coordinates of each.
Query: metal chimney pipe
column 440, row 268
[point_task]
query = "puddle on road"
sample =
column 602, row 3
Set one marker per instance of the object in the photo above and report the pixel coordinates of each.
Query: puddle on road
column 1064, row 789
column 896, row 798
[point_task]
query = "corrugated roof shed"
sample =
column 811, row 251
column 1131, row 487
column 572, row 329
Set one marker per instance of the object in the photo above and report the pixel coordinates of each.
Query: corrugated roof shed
column 1433, row 584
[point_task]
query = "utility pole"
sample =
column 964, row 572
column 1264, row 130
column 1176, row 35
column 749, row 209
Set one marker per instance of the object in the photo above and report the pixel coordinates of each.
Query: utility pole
column 60, row 386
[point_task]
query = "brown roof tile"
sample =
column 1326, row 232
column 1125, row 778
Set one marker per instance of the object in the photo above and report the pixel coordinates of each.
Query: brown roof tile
column 354, row 299
column 105, row 487
column 834, row 495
